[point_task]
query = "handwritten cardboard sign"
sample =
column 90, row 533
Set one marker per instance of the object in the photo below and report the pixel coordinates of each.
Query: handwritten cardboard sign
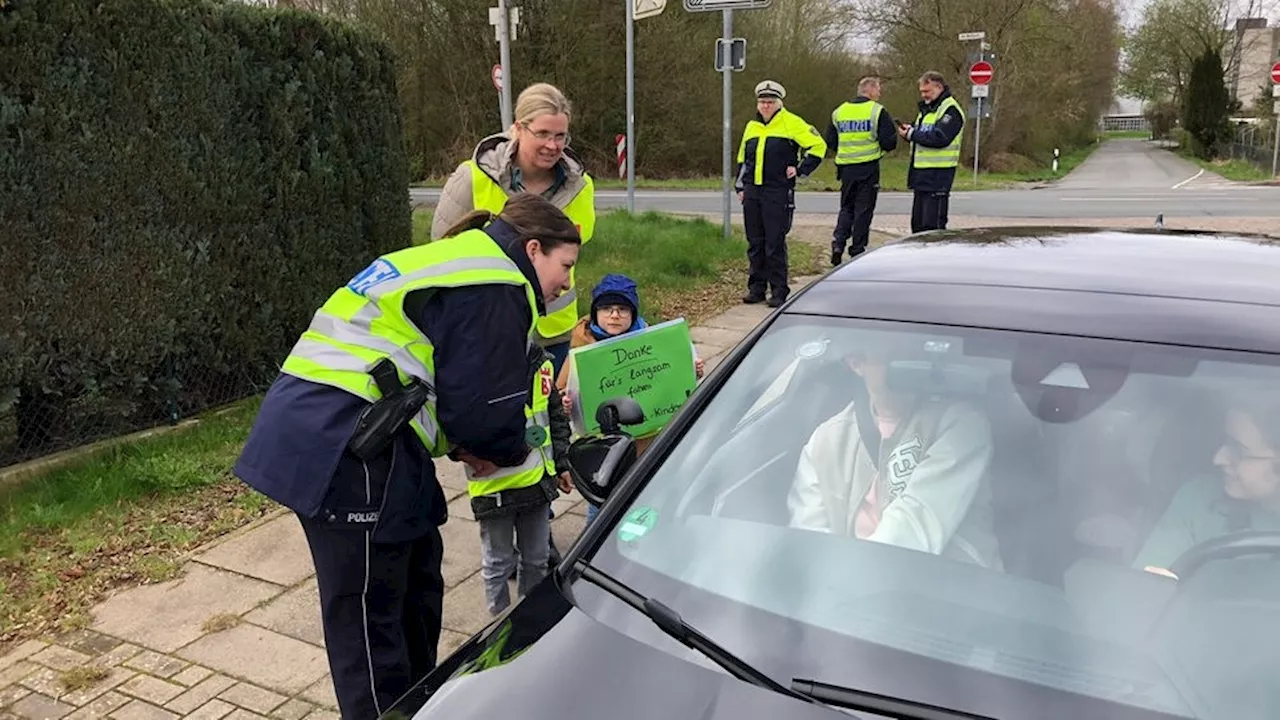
column 654, row 366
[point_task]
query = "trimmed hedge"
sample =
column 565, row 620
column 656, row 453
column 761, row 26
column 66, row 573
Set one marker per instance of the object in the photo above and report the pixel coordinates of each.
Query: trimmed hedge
column 182, row 183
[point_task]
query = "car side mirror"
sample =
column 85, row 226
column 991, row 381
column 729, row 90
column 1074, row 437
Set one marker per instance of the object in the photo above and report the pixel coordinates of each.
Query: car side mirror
column 616, row 412
column 597, row 463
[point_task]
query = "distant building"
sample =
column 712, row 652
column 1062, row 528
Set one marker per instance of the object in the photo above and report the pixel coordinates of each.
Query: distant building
column 1125, row 113
column 1256, row 49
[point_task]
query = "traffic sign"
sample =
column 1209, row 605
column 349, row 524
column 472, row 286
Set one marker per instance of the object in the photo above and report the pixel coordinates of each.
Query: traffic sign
column 496, row 75
column 711, row 5
column 965, row 37
column 981, row 91
column 648, row 8
column 1275, row 73
column 732, row 54
column 980, row 73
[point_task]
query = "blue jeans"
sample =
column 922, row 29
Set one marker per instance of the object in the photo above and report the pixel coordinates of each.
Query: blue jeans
column 508, row 542
column 592, row 512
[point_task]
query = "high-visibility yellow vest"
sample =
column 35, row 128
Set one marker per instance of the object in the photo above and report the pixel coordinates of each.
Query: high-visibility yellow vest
column 947, row 157
column 856, row 129
column 562, row 315
column 364, row 321
column 785, row 125
column 540, row 461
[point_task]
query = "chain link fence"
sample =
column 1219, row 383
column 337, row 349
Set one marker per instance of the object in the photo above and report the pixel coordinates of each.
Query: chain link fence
column 34, row 424
column 1254, row 143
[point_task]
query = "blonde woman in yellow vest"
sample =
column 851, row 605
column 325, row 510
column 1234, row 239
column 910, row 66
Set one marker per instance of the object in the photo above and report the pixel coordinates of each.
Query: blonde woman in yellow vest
column 935, row 152
column 532, row 156
column 423, row 353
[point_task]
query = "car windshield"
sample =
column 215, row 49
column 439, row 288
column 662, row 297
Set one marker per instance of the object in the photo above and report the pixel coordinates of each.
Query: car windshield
column 977, row 519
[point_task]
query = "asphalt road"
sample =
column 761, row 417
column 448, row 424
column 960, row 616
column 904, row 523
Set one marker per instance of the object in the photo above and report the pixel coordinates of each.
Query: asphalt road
column 1125, row 178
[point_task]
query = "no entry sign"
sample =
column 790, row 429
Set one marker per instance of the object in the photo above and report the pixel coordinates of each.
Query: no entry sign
column 980, row 73
column 1275, row 73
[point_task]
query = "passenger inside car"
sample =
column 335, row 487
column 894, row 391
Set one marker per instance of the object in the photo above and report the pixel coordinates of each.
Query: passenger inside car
column 1244, row 496
column 903, row 468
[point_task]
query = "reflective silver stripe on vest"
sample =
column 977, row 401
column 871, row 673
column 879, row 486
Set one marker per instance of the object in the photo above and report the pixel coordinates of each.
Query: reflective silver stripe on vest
column 563, row 301
column 532, row 461
column 439, row 270
column 342, row 331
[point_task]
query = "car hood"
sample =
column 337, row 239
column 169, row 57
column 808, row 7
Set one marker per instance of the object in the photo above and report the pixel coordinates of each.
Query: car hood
column 547, row 659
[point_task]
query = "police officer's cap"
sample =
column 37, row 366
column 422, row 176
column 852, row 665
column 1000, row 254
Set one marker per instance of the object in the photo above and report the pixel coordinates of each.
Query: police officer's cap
column 770, row 89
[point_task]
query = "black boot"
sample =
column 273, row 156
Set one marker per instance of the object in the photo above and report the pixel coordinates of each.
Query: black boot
column 753, row 298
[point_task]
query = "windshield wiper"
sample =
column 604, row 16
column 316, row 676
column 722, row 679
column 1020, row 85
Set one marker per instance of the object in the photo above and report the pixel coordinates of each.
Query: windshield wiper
column 855, row 699
column 670, row 622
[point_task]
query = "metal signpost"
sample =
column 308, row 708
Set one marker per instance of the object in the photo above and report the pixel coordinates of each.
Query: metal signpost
column 726, row 66
column 636, row 10
column 505, row 32
column 1275, row 110
column 980, row 74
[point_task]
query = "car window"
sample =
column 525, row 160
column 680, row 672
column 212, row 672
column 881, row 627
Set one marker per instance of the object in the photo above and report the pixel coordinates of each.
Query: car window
column 1005, row 503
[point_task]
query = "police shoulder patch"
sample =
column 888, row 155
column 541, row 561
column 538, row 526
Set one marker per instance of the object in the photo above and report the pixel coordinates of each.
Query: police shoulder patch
column 378, row 272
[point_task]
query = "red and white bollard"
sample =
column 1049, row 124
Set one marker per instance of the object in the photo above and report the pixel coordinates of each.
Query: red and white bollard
column 622, row 156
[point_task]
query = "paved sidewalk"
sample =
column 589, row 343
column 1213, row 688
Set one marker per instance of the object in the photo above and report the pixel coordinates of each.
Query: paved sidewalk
column 238, row 635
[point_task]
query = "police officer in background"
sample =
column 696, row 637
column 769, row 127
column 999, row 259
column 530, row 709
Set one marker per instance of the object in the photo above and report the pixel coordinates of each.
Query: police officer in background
column 768, row 164
column 935, row 152
column 422, row 354
column 861, row 131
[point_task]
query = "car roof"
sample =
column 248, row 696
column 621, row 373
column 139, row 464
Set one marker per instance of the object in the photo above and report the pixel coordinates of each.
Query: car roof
column 1179, row 287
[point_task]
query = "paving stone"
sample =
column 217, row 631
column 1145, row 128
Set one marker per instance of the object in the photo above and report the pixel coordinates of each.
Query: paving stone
column 89, row 642
column 271, row 659
column 100, row 708
column 191, row 675
column 152, row 689
column 566, row 529
column 22, row 652
column 323, row 715
column 741, row 319
column 295, row 709
column 449, row 641
column 242, row 714
column 252, row 697
column 452, row 477
column 17, row 672
column 460, row 507
column 12, row 694
column 40, row 707
column 714, row 337
column 45, row 682
column 461, row 550
column 275, row 551
column 120, row 655
column 465, row 610
column 321, row 693
column 169, row 615
column 115, row 677
column 572, row 503
column 154, row 663
column 201, row 693
column 295, row 613
column 139, row 710
column 59, row 658
column 212, row 710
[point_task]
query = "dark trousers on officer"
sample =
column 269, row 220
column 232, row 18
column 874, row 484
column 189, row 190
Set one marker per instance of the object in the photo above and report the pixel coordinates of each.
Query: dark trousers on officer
column 380, row 602
column 767, row 214
column 859, row 190
column 929, row 210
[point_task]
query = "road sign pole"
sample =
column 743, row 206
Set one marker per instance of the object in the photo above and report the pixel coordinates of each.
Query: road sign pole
column 504, row 53
column 1275, row 149
column 631, row 106
column 726, row 130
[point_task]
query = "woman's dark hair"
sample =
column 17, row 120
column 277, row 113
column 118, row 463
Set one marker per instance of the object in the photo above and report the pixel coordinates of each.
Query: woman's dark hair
column 532, row 216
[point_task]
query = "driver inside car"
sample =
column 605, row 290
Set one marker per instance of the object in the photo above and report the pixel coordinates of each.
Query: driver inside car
column 1246, row 496
column 901, row 468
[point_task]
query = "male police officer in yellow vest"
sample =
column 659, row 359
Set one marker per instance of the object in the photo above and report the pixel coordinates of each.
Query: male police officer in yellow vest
column 935, row 152
column 861, row 131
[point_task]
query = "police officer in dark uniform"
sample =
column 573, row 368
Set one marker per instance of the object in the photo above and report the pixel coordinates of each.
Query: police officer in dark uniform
column 422, row 354
column 935, row 152
column 861, row 131
column 768, row 164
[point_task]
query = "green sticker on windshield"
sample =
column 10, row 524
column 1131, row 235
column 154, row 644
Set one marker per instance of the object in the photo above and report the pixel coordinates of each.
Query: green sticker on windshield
column 637, row 523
